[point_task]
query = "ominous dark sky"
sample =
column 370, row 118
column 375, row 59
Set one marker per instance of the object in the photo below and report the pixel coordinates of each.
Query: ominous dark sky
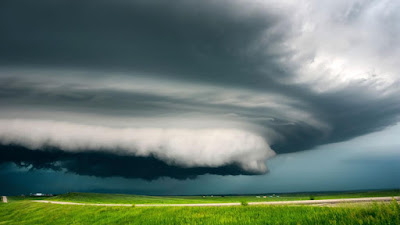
column 180, row 89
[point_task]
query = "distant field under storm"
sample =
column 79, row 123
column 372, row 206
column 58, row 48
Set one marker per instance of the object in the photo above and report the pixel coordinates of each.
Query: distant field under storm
column 144, row 199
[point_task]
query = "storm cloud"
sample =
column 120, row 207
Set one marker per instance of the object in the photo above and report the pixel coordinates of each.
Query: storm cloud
column 103, row 164
column 184, row 88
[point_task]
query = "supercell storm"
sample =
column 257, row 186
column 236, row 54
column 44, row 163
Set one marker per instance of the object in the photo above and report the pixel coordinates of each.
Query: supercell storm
column 181, row 88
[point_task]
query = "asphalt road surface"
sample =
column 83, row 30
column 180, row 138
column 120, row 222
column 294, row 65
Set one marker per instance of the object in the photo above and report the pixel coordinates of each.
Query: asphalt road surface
column 301, row 202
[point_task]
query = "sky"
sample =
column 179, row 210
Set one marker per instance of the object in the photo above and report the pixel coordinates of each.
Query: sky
column 192, row 97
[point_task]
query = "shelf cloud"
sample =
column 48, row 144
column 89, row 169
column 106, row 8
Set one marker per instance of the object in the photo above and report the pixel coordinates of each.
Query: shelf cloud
column 178, row 147
column 185, row 88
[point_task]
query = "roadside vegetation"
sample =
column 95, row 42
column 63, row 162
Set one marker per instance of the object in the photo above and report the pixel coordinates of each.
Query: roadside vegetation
column 27, row 212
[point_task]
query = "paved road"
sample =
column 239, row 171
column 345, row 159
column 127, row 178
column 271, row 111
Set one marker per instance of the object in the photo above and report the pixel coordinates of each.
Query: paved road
column 4, row 199
column 302, row 202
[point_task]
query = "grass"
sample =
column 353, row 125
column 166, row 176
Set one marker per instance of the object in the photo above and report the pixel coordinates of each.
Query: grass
column 139, row 199
column 27, row 212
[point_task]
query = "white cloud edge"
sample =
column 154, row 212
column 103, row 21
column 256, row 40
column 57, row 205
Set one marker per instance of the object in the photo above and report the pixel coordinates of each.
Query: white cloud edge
column 210, row 147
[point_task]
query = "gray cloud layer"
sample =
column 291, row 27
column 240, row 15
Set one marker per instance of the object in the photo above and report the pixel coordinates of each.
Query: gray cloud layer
column 204, row 84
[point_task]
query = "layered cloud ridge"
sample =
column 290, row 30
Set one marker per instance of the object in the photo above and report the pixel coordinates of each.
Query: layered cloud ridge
column 180, row 147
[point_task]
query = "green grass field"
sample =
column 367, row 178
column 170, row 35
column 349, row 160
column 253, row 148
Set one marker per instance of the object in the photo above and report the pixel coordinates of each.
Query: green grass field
column 138, row 199
column 27, row 212
column 21, row 210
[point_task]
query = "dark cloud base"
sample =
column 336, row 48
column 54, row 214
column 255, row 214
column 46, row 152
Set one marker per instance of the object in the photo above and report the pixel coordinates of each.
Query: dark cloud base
column 203, row 42
column 102, row 164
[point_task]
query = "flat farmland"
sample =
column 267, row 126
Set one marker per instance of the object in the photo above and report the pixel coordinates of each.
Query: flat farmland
column 23, row 210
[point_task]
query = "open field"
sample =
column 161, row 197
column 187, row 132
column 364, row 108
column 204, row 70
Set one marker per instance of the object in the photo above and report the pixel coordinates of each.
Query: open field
column 138, row 199
column 28, row 212
column 22, row 210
